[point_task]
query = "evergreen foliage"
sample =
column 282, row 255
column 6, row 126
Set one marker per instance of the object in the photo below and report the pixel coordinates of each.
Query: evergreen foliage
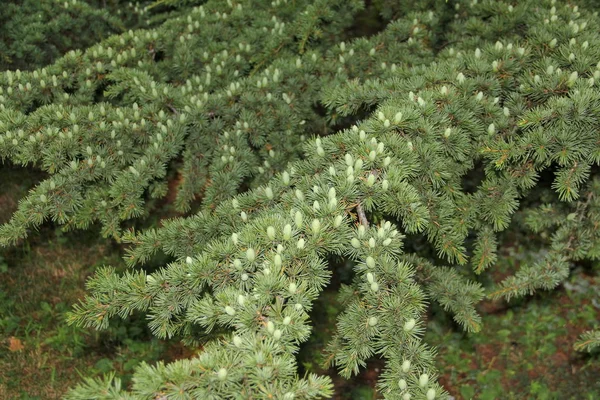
column 454, row 124
column 34, row 33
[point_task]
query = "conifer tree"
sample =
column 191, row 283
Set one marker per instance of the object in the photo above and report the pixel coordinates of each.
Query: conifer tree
column 505, row 92
column 115, row 116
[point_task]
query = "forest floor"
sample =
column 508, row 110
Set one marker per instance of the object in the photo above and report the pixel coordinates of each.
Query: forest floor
column 524, row 351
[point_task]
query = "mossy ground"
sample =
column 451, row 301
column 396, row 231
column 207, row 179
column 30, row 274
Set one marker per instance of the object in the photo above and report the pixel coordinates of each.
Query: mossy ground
column 40, row 355
column 523, row 352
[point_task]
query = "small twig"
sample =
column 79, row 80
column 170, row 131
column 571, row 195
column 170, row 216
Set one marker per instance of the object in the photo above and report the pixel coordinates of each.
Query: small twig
column 580, row 209
column 170, row 107
column 362, row 217
column 590, row 196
